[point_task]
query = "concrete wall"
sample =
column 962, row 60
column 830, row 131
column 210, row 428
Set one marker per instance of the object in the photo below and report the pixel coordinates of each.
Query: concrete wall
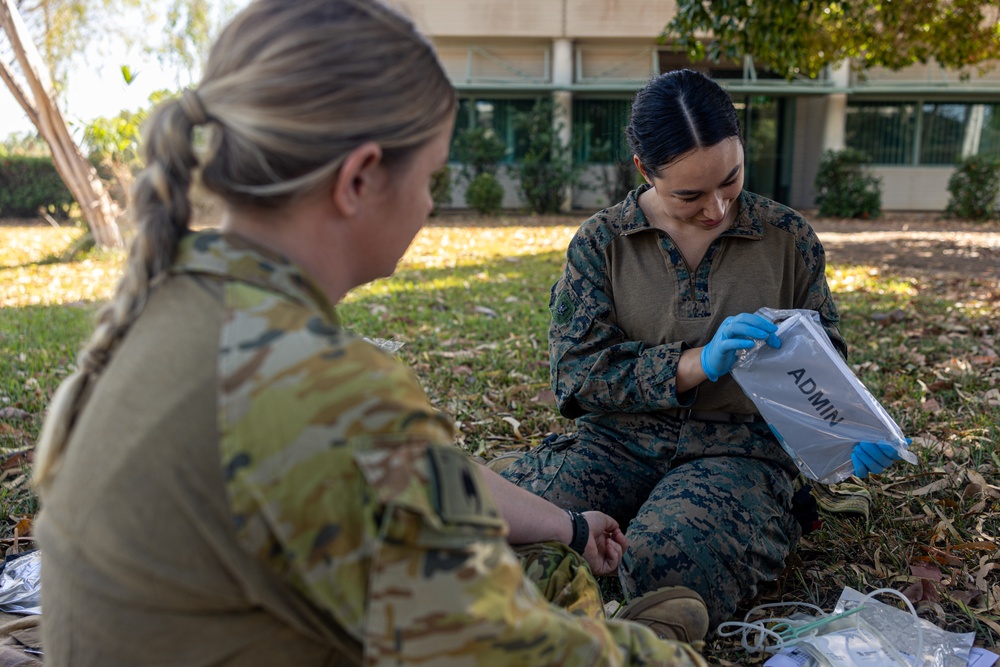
column 618, row 18
column 485, row 18
column 634, row 19
column 588, row 195
column 914, row 188
column 511, row 198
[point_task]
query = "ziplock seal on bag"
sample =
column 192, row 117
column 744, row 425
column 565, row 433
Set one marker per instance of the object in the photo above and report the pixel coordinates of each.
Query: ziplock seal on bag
column 813, row 402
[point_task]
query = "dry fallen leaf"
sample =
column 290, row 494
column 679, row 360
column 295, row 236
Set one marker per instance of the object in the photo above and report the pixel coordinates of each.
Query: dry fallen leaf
column 515, row 426
column 931, row 406
column 14, row 413
column 545, row 397
column 483, row 310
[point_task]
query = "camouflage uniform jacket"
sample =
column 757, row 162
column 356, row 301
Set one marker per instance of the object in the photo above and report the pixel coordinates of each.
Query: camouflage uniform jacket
column 627, row 305
column 283, row 493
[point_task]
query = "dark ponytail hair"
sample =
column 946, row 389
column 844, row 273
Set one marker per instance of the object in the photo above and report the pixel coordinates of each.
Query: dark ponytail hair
column 677, row 112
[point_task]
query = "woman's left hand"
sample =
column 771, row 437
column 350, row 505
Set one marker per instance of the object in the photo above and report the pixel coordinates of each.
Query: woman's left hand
column 873, row 457
column 605, row 545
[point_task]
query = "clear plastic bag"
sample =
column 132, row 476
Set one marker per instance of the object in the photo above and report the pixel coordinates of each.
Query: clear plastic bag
column 878, row 635
column 20, row 584
column 386, row 345
column 813, row 402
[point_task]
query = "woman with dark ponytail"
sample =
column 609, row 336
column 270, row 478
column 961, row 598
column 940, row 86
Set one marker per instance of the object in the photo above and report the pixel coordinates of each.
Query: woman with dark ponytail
column 232, row 478
column 658, row 295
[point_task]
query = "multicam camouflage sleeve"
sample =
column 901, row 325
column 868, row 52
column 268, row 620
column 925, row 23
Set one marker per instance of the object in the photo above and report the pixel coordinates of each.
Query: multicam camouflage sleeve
column 343, row 479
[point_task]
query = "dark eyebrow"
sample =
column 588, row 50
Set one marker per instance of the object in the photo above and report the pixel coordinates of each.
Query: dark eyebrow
column 688, row 193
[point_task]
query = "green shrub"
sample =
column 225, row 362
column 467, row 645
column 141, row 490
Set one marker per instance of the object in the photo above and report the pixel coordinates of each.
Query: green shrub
column 845, row 188
column 30, row 183
column 484, row 194
column 974, row 188
column 479, row 150
column 618, row 175
column 441, row 187
column 545, row 168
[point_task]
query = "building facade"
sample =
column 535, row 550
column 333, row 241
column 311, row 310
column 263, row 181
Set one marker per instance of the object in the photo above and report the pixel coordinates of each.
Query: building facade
column 591, row 56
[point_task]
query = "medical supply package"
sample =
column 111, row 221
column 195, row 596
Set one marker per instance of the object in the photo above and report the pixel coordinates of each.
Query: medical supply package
column 881, row 635
column 813, row 402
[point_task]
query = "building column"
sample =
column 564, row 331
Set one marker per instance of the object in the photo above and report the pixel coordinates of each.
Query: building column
column 836, row 110
column 562, row 101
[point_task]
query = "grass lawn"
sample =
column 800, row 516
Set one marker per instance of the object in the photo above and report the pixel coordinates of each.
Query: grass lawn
column 470, row 305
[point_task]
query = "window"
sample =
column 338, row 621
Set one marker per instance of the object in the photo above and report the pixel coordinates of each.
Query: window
column 989, row 135
column 599, row 130
column 943, row 128
column 883, row 130
column 928, row 133
column 495, row 113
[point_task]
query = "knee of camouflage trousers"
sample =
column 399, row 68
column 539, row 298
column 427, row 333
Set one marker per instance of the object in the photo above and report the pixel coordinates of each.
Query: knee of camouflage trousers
column 563, row 577
column 719, row 526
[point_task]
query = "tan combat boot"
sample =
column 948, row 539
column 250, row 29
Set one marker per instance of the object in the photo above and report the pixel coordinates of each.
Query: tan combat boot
column 674, row 612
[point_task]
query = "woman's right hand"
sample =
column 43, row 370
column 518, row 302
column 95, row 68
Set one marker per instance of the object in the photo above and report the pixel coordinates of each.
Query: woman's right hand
column 736, row 333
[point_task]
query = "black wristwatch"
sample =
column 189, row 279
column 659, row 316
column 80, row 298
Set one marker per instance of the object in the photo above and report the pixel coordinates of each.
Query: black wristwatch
column 581, row 532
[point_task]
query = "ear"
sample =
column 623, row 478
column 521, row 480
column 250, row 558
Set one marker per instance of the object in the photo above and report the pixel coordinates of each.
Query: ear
column 642, row 170
column 358, row 177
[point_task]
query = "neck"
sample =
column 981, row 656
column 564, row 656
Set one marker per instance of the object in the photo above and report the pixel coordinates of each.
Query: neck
column 303, row 236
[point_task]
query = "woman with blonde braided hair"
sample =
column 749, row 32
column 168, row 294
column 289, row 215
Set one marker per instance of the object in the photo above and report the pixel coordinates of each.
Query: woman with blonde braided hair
column 233, row 478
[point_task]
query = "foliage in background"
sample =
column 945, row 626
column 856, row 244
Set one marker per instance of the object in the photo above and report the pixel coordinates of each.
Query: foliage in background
column 24, row 144
column 441, row 188
column 800, row 38
column 64, row 29
column 484, row 193
column 480, row 150
column 471, row 305
column 545, row 168
column 846, row 188
column 28, row 184
column 113, row 143
column 974, row 188
column 187, row 33
column 618, row 175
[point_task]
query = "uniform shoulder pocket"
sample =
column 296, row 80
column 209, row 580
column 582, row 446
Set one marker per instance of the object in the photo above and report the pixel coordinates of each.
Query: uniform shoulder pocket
column 438, row 483
column 458, row 491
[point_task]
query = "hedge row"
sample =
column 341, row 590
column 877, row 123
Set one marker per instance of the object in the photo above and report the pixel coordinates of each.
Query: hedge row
column 30, row 183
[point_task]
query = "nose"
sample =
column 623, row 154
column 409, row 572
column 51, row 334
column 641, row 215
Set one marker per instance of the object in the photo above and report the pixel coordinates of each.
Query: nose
column 715, row 208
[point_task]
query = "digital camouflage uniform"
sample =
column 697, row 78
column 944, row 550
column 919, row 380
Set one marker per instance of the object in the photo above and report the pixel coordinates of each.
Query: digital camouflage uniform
column 706, row 496
column 287, row 495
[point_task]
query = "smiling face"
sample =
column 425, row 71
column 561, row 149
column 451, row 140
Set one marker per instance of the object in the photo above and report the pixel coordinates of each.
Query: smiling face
column 698, row 190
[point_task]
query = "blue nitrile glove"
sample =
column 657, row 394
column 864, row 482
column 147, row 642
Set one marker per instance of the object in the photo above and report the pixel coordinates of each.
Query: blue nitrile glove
column 873, row 457
column 736, row 333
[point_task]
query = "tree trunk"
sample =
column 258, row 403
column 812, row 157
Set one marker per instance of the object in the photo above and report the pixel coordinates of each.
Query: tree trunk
column 39, row 104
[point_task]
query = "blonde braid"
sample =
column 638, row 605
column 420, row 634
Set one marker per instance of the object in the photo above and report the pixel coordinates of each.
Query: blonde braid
column 162, row 213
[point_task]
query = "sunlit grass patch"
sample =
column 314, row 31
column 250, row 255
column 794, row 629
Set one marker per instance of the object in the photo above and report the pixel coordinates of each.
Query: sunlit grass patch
column 30, row 274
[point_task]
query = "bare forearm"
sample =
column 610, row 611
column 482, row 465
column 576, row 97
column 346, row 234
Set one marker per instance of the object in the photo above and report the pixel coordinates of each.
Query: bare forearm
column 690, row 374
column 531, row 518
